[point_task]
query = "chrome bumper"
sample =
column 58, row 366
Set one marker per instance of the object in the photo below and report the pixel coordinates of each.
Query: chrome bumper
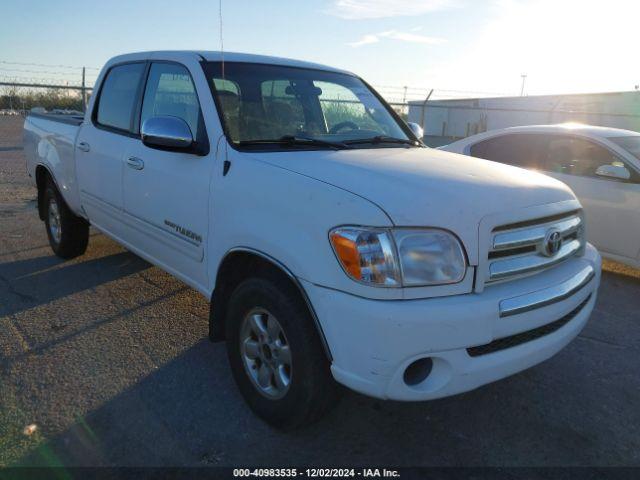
column 548, row 296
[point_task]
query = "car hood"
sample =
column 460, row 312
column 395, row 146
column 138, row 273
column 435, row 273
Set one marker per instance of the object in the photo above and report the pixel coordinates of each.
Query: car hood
column 425, row 187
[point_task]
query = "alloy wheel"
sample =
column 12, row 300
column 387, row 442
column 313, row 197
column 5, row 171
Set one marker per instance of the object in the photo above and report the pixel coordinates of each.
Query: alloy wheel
column 266, row 354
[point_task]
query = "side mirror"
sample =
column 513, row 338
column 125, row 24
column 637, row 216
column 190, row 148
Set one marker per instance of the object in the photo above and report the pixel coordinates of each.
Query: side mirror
column 166, row 133
column 613, row 171
column 416, row 129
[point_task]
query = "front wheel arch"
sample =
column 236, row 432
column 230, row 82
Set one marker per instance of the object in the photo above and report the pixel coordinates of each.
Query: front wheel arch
column 240, row 264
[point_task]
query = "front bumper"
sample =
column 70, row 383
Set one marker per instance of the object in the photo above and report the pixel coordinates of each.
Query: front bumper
column 372, row 342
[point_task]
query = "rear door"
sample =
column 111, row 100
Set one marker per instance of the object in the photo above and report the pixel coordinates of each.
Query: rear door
column 102, row 143
column 166, row 193
column 611, row 206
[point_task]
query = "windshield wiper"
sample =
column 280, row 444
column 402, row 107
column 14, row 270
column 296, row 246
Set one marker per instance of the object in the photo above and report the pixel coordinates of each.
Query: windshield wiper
column 382, row 139
column 296, row 140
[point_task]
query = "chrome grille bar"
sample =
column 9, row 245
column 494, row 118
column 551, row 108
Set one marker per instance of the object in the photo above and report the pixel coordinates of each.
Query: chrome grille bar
column 522, row 250
column 533, row 236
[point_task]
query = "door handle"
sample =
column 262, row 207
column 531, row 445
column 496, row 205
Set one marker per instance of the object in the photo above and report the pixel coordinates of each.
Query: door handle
column 135, row 163
column 84, row 147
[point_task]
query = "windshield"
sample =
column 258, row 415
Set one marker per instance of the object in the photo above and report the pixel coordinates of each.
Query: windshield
column 631, row 143
column 263, row 106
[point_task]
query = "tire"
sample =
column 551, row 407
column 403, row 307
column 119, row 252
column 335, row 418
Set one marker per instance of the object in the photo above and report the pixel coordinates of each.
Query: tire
column 311, row 390
column 68, row 234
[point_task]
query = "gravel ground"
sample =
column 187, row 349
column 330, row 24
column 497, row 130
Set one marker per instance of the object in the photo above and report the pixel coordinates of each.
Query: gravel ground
column 104, row 360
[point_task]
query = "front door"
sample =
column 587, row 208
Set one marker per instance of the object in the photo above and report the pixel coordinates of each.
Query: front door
column 166, row 193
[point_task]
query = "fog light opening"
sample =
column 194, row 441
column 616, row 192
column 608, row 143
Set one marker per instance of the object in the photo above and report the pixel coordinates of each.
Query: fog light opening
column 418, row 371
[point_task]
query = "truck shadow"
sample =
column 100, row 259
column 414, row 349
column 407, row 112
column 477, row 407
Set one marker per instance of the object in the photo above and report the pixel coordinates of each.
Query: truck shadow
column 189, row 413
column 27, row 283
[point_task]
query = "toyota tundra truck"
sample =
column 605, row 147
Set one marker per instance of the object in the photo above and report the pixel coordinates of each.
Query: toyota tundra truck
column 334, row 247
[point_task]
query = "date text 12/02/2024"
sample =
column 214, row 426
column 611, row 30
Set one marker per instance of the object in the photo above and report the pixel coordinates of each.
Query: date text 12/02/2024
column 316, row 472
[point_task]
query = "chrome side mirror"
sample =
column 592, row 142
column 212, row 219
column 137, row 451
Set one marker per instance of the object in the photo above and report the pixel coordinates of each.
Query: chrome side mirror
column 416, row 129
column 613, row 171
column 167, row 133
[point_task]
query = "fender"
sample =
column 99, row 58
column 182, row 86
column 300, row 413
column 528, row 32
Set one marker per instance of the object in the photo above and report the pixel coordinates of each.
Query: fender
column 284, row 269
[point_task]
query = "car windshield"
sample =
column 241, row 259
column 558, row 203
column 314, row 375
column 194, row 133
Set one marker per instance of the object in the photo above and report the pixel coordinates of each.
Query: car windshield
column 631, row 143
column 271, row 106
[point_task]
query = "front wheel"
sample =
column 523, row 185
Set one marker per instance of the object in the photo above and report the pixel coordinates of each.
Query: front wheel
column 68, row 234
column 276, row 355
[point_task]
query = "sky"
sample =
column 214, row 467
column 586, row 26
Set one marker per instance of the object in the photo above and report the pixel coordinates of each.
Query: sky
column 460, row 48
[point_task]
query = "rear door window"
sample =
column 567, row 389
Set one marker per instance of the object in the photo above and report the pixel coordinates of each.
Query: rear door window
column 520, row 150
column 118, row 94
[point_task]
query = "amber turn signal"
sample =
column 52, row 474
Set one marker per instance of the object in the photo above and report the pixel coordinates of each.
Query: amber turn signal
column 347, row 253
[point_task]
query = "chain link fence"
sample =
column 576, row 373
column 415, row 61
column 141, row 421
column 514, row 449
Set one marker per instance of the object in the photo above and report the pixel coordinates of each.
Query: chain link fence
column 17, row 98
column 18, row 95
column 20, row 98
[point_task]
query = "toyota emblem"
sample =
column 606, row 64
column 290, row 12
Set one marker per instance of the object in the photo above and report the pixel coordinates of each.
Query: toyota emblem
column 552, row 242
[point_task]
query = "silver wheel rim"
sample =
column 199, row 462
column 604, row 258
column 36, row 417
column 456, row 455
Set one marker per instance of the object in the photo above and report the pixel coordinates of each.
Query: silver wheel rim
column 266, row 354
column 55, row 224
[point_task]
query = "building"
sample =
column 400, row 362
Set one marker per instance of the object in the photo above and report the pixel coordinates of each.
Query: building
column 446, row 120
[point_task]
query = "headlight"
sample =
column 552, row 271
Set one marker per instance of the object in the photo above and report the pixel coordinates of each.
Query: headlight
column 429, row 257
column 399, row 257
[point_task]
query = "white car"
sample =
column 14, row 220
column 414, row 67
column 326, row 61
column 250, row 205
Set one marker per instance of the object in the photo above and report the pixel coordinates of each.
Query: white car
column 333, row 245
column 601, row 165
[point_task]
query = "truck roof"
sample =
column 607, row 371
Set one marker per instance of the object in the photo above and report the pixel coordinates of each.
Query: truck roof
column 214, row 56
column 584, row 129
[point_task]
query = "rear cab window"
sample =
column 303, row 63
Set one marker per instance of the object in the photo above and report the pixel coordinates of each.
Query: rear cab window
column 281, row 106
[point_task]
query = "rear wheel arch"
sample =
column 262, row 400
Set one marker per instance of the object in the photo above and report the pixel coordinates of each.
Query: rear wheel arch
column 42, row 176
column 240, row 264
column 68, row 234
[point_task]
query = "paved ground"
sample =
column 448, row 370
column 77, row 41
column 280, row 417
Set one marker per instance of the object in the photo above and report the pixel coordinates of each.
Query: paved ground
column 108, row 358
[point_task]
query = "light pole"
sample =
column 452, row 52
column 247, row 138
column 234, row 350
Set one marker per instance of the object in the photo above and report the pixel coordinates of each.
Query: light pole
column 524, row 79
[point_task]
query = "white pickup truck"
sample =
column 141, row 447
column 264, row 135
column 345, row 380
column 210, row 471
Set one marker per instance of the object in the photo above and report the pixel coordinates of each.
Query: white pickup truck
column 334, row 247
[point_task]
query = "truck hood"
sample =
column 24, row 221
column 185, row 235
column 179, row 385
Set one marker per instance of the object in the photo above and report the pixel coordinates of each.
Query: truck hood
column 425, row 187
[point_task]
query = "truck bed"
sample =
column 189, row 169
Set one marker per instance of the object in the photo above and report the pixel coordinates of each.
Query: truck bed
column 49, row 140
column 56, row 117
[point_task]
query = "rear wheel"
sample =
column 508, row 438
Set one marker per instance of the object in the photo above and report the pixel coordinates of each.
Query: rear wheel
column 276, row 354
column 68, row 234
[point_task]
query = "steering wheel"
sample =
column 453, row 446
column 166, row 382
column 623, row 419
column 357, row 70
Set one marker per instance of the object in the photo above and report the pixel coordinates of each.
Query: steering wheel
column 339, row 126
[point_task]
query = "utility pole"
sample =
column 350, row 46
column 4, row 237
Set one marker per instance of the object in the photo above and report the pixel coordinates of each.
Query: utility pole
column 84, row 97
column 404, row 95
column 524, row 79
column 424, row 107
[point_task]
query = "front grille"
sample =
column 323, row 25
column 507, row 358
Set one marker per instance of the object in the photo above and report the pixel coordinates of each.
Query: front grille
column 521, row 248
column 528, row 336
